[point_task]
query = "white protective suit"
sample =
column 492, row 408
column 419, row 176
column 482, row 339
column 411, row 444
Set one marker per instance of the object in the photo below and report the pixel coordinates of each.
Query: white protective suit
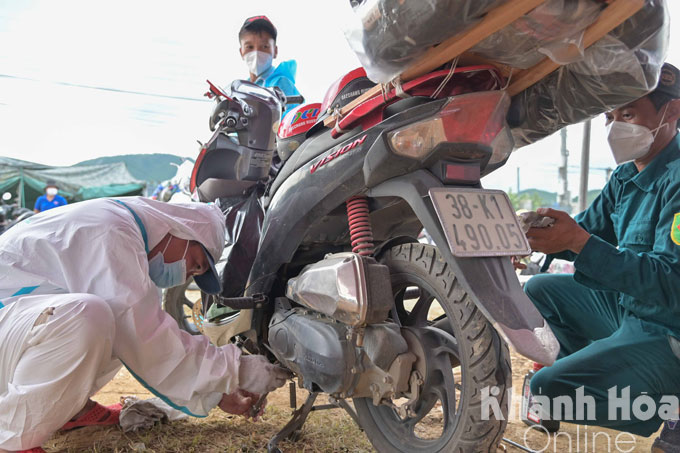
column 78, row 304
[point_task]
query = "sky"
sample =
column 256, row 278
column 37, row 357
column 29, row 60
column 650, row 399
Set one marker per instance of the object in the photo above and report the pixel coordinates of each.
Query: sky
column 81, row 79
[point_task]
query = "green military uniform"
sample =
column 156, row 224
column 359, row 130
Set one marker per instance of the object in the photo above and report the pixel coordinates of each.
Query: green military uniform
column 613, row 317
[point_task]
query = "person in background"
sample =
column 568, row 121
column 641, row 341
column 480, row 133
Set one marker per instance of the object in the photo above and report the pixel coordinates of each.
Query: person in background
column 257, row 40
column 51, row 199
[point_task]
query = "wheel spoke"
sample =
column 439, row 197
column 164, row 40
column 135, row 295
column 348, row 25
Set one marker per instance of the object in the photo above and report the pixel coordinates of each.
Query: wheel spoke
column 443, row 323
column 447, row 389
column 418, row 315
column 441, row 342
column 440, row 382
column 439, row 318
column 413, row 421
column 399, row 312
column 424, row 406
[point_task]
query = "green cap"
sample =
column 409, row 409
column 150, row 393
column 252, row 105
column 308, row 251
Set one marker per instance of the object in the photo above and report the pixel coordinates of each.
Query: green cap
column 669, row 81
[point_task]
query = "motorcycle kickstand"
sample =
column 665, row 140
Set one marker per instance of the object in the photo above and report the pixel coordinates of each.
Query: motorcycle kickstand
column 351, row 412
column 295, row 423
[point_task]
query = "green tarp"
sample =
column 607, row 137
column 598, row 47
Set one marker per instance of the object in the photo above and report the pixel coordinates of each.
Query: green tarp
column 27, row 180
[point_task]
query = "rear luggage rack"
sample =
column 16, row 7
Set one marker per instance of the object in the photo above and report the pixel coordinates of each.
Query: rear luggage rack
column 612, row 16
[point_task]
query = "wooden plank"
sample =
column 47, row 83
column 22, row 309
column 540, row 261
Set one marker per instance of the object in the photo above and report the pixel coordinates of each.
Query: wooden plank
column 611, row 17
column 495, row 19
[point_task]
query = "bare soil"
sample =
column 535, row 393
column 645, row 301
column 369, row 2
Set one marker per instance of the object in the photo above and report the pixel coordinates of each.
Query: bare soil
column 325, row 431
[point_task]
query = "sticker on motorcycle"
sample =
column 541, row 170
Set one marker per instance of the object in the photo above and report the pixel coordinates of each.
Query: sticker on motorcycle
column 337, row 153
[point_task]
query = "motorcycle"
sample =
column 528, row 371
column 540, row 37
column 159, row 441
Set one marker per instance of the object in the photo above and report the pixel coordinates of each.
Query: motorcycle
column 339, row 290
column 176, row 189
column 11, row 213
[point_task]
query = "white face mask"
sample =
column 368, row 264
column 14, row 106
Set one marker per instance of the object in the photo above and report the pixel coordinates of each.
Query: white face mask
column 631, row 141
column 258, row 62
column 52, row 191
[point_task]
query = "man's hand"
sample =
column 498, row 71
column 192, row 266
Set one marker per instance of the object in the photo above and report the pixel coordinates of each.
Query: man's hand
column 240, row 402
column 257, row 375
column 564, row 234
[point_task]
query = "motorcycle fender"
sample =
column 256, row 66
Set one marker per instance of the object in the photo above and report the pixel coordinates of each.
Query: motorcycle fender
column 491, row 282
column 222, row 331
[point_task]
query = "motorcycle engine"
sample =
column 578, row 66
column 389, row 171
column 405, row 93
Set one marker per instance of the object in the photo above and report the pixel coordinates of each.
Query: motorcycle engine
column 323, row 352
column 337, row 341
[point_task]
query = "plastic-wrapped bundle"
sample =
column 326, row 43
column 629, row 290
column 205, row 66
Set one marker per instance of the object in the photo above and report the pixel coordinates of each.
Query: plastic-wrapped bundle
column 388, row 35
column 553, row 29
column 617, row 69
column 243, row 217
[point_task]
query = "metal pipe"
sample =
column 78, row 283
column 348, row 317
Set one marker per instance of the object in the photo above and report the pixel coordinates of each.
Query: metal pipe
column 516, row 445
column 585, row 164
column 564, row 197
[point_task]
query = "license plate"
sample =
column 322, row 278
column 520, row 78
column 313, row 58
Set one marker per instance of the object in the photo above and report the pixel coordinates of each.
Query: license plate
column 479, row 222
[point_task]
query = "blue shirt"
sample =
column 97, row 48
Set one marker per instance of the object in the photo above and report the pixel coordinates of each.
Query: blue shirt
column 43, row 204
column 635, row 244
column 282, row 76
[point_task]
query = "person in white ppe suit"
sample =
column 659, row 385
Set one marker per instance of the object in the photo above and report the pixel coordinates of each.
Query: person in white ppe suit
column 79, row 299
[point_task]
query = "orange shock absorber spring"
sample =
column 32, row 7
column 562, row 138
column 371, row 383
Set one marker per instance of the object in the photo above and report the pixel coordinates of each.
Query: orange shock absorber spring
column 360, row 226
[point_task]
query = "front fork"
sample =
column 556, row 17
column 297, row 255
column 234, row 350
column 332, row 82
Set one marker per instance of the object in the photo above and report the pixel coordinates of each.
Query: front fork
column 491, row 282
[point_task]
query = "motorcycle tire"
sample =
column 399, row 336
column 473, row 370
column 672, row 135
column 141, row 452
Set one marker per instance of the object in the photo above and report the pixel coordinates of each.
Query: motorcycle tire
column 174, row 303
column 482, row 355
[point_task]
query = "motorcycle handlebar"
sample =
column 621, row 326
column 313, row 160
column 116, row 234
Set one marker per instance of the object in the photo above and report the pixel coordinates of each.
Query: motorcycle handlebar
column 295, row 99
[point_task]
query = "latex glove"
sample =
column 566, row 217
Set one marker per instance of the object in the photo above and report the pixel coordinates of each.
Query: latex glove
column 565, row 234
column 532, row 219
column 257, row 375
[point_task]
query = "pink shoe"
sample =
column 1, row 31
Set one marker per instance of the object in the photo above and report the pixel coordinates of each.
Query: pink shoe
column 98, row 415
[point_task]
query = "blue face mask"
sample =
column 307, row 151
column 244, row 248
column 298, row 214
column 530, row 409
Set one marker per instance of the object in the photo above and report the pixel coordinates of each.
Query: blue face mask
column 167, row 275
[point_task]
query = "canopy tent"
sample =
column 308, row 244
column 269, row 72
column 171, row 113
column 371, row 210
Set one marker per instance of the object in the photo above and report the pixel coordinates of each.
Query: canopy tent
column 27, row 180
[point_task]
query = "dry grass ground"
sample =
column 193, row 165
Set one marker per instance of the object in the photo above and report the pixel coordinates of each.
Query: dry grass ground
column 325, row 431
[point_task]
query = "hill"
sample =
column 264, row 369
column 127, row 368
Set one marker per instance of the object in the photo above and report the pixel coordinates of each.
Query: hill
column 590, row 197
column 534, row 198
column 145, row 167
column 547, row 198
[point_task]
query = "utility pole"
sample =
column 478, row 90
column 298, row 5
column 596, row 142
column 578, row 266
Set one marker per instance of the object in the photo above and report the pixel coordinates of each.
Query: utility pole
column 585, row 163
column 564, row 197
column 517, row 180
column 609, row 172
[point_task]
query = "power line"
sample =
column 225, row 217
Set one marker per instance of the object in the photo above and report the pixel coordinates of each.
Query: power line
column 108, row 89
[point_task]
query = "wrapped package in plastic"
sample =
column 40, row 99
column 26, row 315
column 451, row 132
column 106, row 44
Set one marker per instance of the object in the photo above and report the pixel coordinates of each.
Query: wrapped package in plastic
column 388, row 35
column 617, row 69
column 244, row 215
column 554, row 29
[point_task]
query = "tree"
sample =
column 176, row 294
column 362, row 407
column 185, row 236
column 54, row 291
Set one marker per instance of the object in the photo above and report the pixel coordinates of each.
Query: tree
column 529, row 201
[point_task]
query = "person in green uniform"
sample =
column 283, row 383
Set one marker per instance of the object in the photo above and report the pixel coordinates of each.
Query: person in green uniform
column 617, row 318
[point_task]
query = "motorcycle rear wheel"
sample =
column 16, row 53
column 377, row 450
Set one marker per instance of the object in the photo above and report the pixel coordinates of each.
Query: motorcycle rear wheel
column 482, row 355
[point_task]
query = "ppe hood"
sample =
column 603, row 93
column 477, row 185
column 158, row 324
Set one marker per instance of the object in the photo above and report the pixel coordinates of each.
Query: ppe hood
column 199, row 222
